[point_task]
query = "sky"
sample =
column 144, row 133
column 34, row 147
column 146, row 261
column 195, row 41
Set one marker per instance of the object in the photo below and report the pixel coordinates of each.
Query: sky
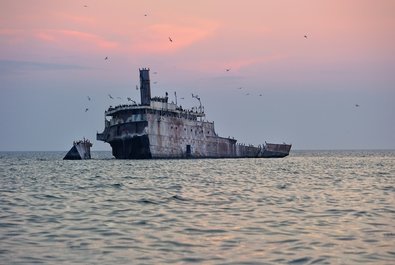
column 317, row 74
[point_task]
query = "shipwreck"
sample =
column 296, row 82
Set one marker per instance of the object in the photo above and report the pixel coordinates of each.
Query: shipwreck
column 157, row 128
column 80, row 150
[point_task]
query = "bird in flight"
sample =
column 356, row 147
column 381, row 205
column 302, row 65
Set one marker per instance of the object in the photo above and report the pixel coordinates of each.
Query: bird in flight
column 89, row 98
column 129, row 99
column 240, row 88
column 227, row 69
column 106, row 58
column 85, row 6
column 110, row 96
column 137, row 87
column 170, row 39
column 86, row 109
column 357, row 105
column 305, row 36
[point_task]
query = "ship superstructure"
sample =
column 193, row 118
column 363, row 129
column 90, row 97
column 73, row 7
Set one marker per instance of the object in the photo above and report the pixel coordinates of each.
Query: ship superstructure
column 157, row 128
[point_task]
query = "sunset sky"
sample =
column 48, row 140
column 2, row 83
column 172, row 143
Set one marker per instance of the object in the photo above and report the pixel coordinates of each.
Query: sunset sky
column 303, row 66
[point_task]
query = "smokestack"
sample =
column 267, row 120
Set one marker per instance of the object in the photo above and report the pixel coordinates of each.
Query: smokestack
column 145, row 87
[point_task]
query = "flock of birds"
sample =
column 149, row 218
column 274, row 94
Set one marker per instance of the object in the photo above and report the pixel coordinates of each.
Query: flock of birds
column 155, row 82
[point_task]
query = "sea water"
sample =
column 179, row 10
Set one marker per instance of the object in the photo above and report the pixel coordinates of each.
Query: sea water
column 308, row 208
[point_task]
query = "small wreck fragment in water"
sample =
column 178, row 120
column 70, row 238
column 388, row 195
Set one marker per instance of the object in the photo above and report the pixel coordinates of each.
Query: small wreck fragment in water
column 81, row 150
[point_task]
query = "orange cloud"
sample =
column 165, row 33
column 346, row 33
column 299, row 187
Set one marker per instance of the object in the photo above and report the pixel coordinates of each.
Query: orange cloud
column 156, row 38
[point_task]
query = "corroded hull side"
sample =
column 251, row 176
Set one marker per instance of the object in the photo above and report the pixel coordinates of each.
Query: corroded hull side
column 271, row 154
column 153, row 136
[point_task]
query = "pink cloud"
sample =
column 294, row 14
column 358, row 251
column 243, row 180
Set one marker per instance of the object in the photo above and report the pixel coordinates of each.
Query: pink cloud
column 12, row 36
column 74, row 39
column 62, row 38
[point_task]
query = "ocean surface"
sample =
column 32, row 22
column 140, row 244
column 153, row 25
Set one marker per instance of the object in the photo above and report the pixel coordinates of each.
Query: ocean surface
column 313, row 207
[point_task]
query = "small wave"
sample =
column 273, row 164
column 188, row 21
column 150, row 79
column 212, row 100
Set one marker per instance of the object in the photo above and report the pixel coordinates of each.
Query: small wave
column 300, row 260
column 47, row 196
column 361, row 213
column 193, row 260
column 345, row 238
column 282, row 186
column 117, row 185
column 140, row 222
column 204, row 231
column 147, row 201
column 132, row 177
column 319, row 261
column 179, row 198
column 175, row 187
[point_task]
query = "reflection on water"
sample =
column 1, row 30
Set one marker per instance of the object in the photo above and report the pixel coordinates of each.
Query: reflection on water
column 309, row 208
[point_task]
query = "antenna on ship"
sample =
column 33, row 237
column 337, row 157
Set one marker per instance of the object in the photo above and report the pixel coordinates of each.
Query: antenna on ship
column 200, row 103
column 175, row 95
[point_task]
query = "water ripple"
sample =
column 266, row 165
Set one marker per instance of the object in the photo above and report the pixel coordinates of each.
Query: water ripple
column 310, row 208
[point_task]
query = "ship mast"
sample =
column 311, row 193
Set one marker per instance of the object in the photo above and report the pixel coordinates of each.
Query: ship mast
column 200, row 104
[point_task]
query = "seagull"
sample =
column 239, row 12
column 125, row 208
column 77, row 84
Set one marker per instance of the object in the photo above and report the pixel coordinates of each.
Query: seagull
column 106, row 58
column 155, row 82
column 155, row 73
column 86, row 109
column 240, row 88
column 145, row 15
column 260, row 95
column 110, row 96
column 305, row 36
column 85, row 6
column 170, row 39
column 129, row 99
column 227, row 69
column 89, row 98
column 357, row 105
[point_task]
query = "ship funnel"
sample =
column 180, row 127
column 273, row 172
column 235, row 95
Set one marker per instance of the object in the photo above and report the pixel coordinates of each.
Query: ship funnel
column 145, row 87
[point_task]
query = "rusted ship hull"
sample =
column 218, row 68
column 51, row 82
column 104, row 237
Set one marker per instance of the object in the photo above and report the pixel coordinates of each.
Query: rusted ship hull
column 158, row 129
column 139, row 147
column 276, row 150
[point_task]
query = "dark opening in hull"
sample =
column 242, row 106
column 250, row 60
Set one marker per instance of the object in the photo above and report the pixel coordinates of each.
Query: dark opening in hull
column 136, row 147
